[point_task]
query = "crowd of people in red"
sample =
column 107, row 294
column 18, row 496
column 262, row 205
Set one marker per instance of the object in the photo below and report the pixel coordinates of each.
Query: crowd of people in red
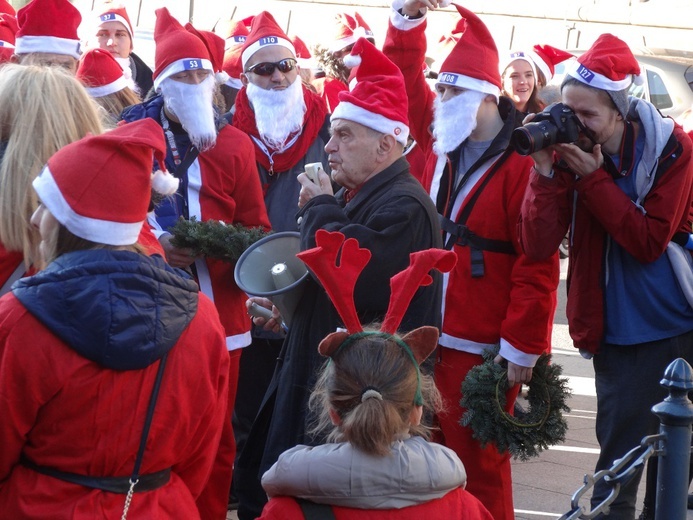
column 134, row 382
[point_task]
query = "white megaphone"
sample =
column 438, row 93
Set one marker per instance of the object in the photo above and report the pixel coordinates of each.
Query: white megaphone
column 270, row 269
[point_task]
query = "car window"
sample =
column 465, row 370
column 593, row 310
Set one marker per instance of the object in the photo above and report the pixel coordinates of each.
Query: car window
column 659, row 95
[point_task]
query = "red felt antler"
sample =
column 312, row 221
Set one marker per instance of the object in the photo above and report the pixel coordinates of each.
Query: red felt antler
column 338, row 280
column 405, row 284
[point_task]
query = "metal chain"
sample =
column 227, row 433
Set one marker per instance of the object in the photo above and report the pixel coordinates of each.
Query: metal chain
column 622, row 472
column 128, row 498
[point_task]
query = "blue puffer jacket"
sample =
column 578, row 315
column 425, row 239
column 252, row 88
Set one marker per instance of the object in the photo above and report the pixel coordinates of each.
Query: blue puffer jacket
column 120, row 309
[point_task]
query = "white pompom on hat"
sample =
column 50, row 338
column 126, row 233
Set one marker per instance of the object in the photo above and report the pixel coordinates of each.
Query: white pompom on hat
column 48, row 26
column 100, row 186
column 378, row 98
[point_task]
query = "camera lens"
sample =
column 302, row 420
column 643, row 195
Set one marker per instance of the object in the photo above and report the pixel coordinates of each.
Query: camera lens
column 533, row 137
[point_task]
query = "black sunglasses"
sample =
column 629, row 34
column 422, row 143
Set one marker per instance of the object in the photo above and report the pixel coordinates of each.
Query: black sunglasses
column 266, row 68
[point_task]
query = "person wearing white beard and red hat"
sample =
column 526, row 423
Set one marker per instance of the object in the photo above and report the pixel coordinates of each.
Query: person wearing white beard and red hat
column 289, row 128
column 114, row 34
column 105, row 344
column 382, row 206
column 623, row 192
column 216, row 165
column 496, row 295
column 47, row 34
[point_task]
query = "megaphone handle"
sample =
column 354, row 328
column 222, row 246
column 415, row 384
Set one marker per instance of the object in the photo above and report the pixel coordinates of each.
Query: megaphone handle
column 259, row 312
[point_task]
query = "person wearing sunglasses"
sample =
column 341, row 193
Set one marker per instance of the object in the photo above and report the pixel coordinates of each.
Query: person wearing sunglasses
column 289, row 128
column 215, row 163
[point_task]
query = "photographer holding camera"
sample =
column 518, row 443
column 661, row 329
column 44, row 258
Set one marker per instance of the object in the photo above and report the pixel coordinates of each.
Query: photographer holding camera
column 622, row 188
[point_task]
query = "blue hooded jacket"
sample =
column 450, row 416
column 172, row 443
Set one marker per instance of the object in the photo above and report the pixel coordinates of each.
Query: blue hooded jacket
column 120, row 309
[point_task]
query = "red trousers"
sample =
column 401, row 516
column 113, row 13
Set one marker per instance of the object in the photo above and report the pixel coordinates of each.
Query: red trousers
column 488, row 472
column 214, row 500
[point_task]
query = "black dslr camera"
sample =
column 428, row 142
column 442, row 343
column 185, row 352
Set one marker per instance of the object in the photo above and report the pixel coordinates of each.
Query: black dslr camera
column 556, row 124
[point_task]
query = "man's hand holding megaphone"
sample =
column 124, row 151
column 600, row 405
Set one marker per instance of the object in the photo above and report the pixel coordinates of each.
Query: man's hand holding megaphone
column 264, row 314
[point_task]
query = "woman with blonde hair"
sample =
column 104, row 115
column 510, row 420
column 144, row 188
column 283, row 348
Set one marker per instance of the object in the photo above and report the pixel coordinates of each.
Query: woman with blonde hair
column 41, row 110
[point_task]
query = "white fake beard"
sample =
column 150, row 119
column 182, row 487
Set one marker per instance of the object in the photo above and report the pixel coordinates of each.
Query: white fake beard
column 193, row 107
column 455, row 119
column 278, row 113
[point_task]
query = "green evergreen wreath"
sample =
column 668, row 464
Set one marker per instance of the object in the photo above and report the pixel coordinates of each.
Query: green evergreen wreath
column 214, row 238
column 541, row 426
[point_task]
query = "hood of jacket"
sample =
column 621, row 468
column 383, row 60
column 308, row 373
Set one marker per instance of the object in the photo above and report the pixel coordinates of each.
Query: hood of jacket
column 120, row 309
column 415, row 472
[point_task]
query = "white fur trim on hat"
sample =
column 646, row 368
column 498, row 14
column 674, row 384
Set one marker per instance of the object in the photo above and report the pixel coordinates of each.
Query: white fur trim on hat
column 111, row 88
column 514, row 56
column 234, row 83
column 541, row 65
column 377, row 122
column 95, row 230
column 404, row 23
column 114, row 17
column 164, row 183
column 264, row 42
column 581, row 73
column 6, row 45
column 182, row 65
column 454, row 79
column 53, row 44
column 234, row 41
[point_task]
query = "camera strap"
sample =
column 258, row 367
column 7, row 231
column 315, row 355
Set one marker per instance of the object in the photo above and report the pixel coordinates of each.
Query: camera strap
column 461, row 235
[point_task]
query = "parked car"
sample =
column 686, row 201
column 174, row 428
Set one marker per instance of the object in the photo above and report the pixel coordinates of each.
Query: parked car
column 668, row 81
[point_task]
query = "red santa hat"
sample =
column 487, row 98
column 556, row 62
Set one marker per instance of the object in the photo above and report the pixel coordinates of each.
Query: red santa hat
column 235, row 35
column 100, row 186
column 215, row 48
column 8, row 30
column 177, row 49
column 100, row 73
column 547, row 57
column 264, row 32
column 349, row 29
column 303, row 56
column 48, row 26
column 6, row 8
column 378, row 99
column 116, row 14
column 608, row 65
column 473, row 62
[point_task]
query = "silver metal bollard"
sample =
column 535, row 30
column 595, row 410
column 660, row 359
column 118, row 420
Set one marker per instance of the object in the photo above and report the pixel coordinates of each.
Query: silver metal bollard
column 676, row 416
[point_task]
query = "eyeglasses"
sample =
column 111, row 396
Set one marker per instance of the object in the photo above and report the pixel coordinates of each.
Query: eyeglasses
column 266, row 68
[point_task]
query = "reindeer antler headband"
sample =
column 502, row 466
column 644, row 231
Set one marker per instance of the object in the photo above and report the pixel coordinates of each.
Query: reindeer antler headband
column 339, row 281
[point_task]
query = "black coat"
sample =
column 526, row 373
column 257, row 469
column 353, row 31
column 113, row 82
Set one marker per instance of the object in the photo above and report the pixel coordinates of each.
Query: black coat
column 392, row 216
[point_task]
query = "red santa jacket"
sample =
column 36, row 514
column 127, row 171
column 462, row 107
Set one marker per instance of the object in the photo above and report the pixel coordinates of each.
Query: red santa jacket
column 512, row 302
column 64, row 411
